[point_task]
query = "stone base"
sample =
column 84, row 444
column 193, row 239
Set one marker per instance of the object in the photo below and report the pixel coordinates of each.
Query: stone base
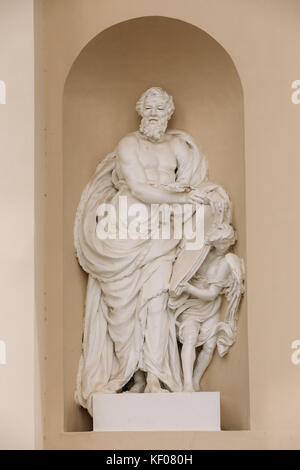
column 157, row 411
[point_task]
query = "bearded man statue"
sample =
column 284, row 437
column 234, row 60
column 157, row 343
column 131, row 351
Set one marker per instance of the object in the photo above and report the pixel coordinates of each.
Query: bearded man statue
column 129, row 332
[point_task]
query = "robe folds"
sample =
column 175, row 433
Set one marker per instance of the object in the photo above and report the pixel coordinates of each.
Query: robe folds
column 124, row 277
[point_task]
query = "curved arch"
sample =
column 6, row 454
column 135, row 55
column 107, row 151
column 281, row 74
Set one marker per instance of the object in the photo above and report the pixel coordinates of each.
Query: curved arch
column 179, row 19
column 100, row 93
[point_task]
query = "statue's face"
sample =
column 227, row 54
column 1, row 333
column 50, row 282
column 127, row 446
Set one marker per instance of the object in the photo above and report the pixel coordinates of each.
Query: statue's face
column 222, row 245
column 154, row 117
column 155, row 108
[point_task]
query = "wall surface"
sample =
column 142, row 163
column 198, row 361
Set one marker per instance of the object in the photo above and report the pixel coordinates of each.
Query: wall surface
column 39, row 200
column 99, row 108
column 21, row 417
column 262, row 39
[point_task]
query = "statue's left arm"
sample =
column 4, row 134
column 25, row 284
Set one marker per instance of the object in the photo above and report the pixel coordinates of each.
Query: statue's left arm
column 184, row 160
column 187, row 163
column 214, row 289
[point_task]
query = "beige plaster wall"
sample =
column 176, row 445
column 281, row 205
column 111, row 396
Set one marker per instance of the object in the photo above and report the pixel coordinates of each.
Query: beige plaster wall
column 99, row 108
column 39, row 245
column 21, row 415
column 262, row 39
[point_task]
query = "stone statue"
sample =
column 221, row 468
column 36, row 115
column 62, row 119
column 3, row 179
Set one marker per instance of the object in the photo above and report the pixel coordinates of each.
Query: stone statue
column 129, row 341
column 198, row 304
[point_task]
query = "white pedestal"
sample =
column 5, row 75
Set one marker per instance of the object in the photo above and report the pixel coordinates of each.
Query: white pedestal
column 157, row 411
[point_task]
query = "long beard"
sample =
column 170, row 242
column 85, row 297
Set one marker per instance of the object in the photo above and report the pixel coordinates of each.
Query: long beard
column 153, row 130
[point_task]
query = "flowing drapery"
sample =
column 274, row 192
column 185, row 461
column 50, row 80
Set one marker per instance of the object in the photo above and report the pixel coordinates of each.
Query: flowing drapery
column 124, row 277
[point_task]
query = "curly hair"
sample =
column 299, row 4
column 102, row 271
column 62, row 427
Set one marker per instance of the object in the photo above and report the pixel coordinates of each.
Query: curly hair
column 224, row 232
column 156, row 91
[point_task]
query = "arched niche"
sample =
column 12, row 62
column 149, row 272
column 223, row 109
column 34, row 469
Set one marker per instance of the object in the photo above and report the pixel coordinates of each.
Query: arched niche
column 99, row 99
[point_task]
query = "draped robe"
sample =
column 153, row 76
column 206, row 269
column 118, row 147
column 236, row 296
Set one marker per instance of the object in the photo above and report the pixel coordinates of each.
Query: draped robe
column 124, row 275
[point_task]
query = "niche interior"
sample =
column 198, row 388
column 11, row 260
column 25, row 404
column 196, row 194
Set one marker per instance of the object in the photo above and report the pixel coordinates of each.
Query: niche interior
column 99, row 99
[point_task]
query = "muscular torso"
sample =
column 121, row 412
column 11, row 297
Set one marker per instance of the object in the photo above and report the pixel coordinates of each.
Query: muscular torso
column 158, row 159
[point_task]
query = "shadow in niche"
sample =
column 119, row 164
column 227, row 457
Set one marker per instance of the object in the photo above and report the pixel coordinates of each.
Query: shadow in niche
column 100, row 94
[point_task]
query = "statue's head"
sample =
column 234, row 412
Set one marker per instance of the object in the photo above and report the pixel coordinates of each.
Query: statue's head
column 155, row 107
column 221, row 237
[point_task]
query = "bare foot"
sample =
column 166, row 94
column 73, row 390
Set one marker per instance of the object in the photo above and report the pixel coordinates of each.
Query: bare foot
column 153, row 385
column 138, row 387
column 151, row 389
column 139, row 383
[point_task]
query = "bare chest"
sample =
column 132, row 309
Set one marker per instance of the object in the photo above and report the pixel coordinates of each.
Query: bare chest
column 158, row 161
column 157, row 155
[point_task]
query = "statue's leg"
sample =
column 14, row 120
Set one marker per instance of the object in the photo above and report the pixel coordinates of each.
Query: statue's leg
column 188, row 354
column 156, row 340
column 203, row 361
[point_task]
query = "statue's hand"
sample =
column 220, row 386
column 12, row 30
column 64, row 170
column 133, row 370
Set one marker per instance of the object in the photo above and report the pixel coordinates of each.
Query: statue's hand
column 181, row 288
column 196, row 197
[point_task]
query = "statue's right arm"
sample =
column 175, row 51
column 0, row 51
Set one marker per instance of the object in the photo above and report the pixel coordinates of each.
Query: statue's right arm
column 135, row 177
column 206, row 294
column 214, row 290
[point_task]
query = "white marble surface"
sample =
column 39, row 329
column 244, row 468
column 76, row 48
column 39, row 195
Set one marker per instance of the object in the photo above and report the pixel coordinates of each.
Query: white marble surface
column 129, row 327
column 157, row 411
